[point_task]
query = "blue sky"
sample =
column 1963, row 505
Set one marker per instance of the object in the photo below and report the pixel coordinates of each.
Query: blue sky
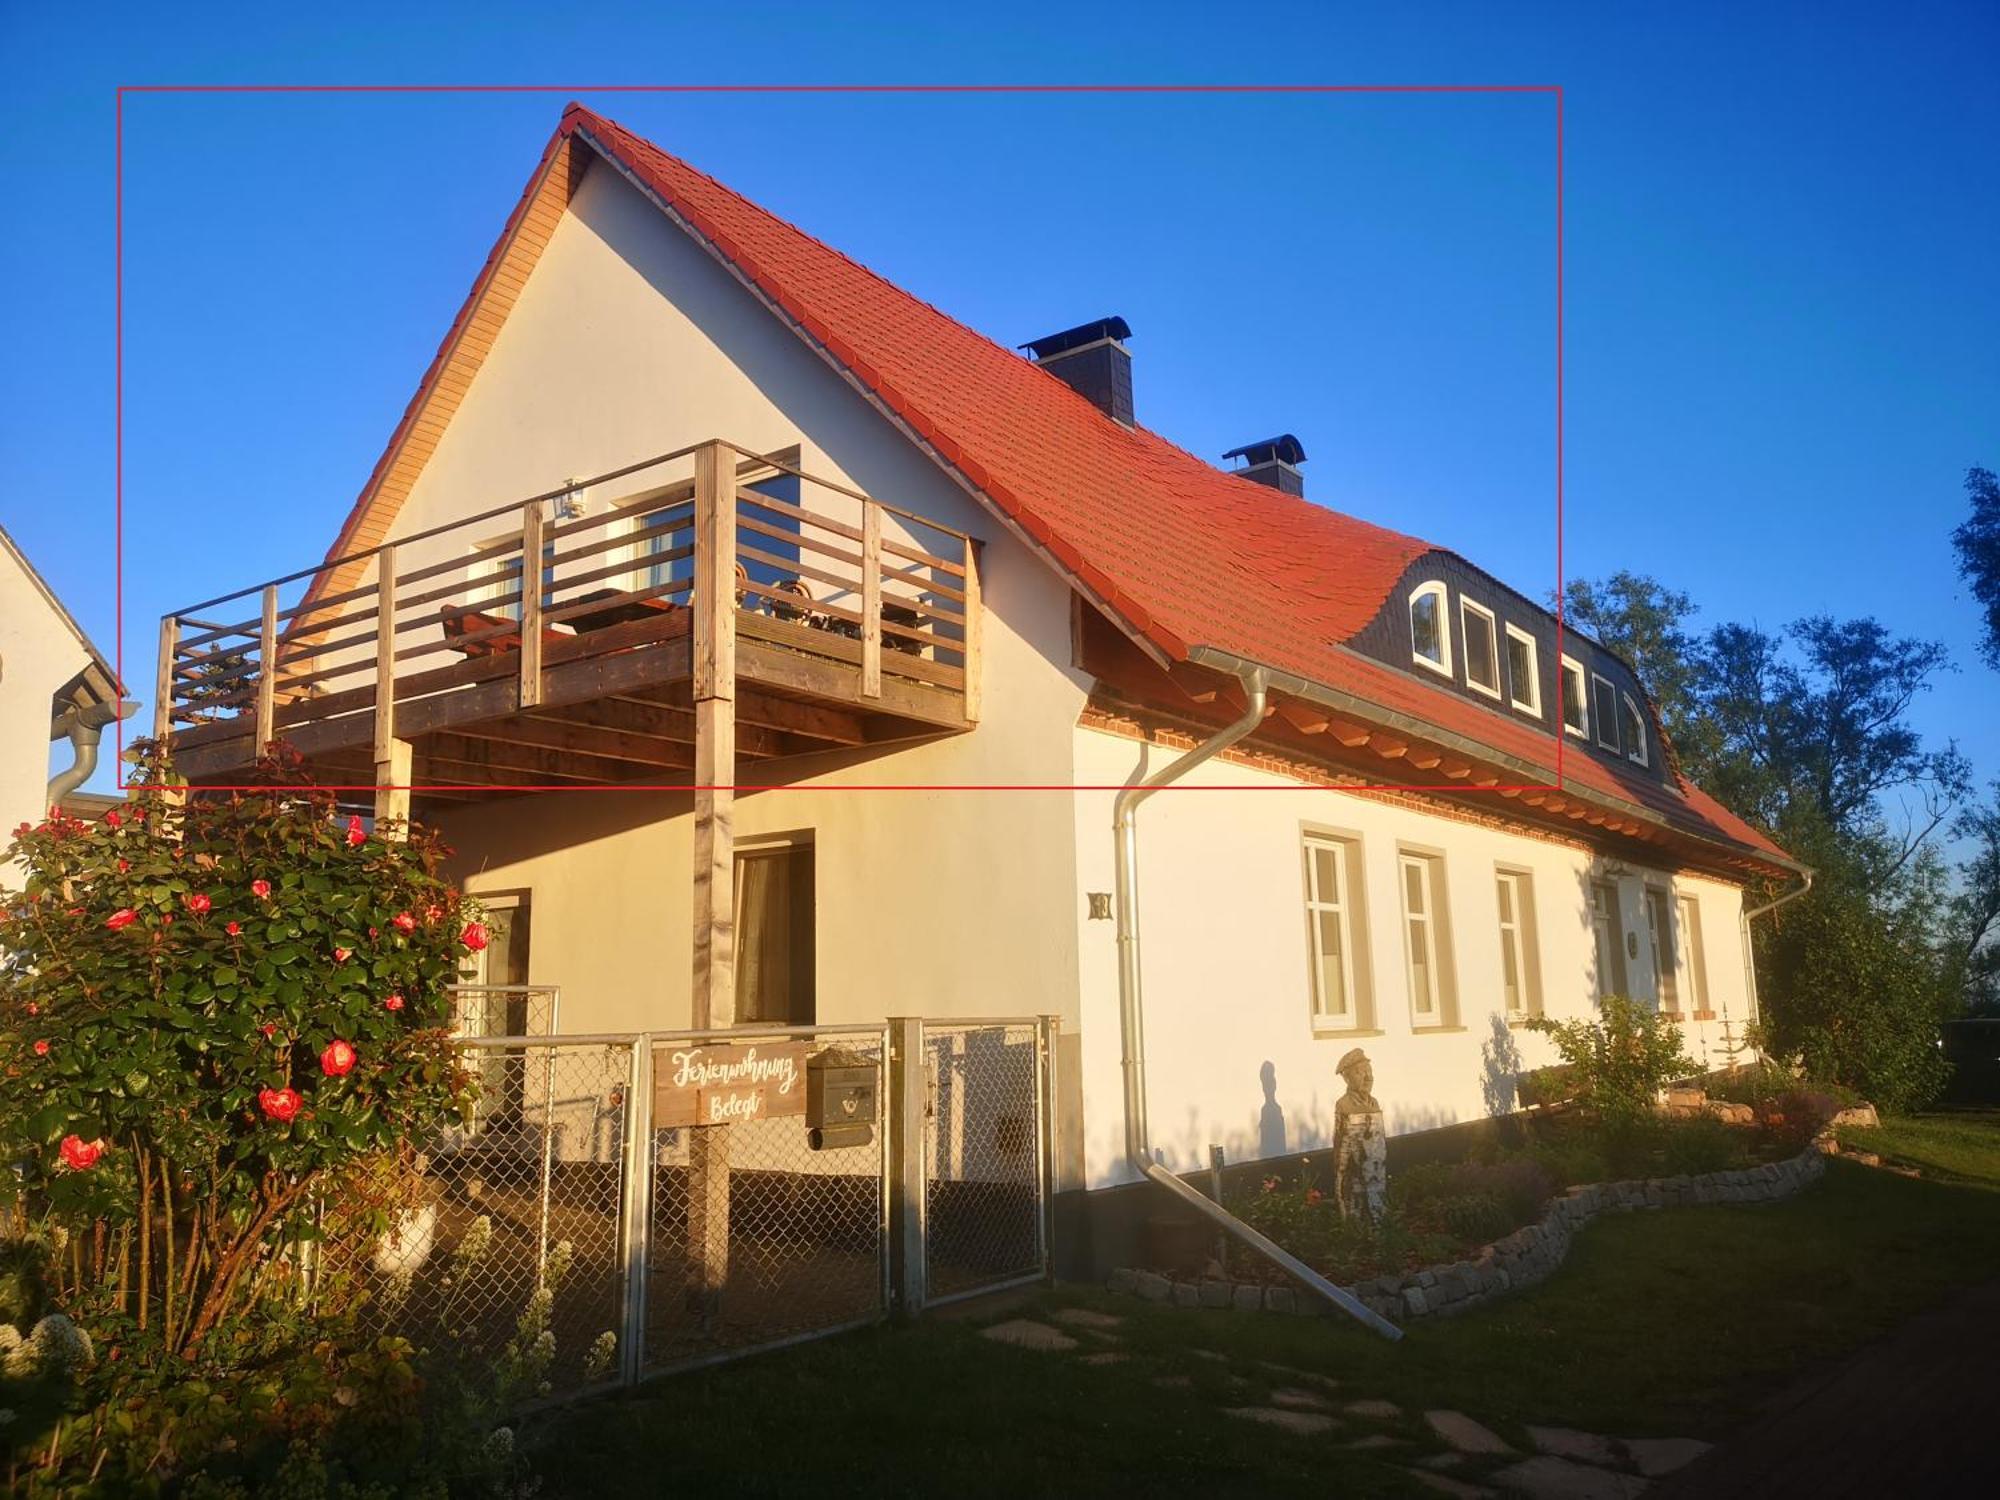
column 1783, row 321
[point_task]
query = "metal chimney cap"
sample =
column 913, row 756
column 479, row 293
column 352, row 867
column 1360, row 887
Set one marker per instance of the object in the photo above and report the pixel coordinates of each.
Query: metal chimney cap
column 1285, row 448
column 1077, row 337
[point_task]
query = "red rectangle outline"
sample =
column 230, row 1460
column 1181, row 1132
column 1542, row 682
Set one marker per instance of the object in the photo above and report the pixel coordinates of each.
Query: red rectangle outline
column 575, row 90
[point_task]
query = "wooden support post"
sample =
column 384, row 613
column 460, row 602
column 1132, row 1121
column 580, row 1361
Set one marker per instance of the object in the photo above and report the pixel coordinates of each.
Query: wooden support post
column 531, row 604
column 392, row 788
column 1215, row 1195
column 906, row 1102
column 714, row 852
column 267, row 670
column 385, row 654
column 973, row 624
column 163, row 680
column 871, row 599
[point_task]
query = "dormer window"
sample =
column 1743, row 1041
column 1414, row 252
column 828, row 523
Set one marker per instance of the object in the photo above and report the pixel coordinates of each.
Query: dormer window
column 1524, row 672
column 1635, row 730
column 1430, row 637
column 1482, row 648
column 1576, row 699
column 1604, row 708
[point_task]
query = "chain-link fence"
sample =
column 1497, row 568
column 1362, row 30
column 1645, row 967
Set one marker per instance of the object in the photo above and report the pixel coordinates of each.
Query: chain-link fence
column 766, row 1229
column 510, row 1259
column 985, row 1156
column 619, row 1206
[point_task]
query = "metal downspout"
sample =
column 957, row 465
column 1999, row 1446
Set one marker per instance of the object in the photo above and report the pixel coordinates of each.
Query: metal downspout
column 1131, row 1011
column 85, row 728
column 1749, row 953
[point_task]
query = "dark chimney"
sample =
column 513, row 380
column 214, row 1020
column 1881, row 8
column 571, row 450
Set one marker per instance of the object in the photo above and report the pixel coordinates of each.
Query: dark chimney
column 1091, row 359
column 1274, row 461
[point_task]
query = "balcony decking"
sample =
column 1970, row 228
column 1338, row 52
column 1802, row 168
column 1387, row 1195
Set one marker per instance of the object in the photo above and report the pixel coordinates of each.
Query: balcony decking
column 822, row 618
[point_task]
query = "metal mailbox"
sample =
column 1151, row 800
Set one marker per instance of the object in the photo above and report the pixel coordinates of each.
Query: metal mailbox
column 841, row 1099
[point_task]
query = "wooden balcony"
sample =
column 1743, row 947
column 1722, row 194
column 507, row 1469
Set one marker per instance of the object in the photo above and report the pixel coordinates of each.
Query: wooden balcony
column 822, row 618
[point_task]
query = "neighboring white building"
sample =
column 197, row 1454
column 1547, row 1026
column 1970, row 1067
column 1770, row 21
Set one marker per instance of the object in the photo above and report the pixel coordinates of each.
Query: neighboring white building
column 1080, row 600
column 56, row 689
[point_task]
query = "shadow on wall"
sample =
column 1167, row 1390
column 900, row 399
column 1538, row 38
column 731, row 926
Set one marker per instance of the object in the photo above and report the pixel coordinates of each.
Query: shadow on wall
column 1500, row 1067
column 1271, row 1118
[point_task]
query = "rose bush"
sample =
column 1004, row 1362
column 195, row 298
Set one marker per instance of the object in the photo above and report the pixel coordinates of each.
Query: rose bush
column 210, row 1009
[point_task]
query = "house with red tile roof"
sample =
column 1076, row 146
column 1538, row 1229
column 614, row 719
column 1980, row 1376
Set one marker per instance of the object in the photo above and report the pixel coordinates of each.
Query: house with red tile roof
column 772, row 649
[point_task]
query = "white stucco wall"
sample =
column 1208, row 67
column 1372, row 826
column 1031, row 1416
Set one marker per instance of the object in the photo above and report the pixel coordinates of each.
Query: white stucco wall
column 1226, row 961
column 38, row 654
column 628, row 341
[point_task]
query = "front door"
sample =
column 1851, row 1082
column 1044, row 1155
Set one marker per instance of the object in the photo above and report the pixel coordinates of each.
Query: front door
column 1610, row 934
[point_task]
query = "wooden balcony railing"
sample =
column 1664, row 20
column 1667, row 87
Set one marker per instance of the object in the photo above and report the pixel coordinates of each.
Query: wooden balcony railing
column 560, row 596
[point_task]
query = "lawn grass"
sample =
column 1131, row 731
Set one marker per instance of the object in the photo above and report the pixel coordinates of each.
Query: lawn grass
column 1675, row 1323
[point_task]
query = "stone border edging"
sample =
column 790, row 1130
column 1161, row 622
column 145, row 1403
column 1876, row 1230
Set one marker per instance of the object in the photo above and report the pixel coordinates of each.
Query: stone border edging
column 1521, row 1259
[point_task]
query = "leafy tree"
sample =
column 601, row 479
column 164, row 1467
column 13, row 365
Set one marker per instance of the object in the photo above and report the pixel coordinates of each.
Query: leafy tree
column 1975, row 923
column 1977, row 543
column 1806, row 733
column 1645, row 623
column 1619, row 1061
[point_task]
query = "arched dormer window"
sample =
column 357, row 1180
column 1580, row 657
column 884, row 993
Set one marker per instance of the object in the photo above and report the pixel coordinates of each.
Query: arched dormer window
column 1430, row 628
column 1635, row 730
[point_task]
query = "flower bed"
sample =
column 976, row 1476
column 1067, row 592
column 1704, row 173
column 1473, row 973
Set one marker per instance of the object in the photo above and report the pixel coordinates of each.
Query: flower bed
column 1520, row 1258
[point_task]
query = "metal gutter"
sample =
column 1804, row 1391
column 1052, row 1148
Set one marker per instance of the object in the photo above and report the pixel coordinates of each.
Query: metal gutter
column 1131, row 1010
column 1361, row 708
column 85, row 728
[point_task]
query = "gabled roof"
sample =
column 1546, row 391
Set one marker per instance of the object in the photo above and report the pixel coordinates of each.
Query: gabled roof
column 1188, row 560
column 96, row 682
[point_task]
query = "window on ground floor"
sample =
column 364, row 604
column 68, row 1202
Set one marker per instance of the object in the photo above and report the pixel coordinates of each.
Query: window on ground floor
column 1426, row 939
column 1694, row 962
column 775, row 936
column 1520, row 966
column 1335, row 929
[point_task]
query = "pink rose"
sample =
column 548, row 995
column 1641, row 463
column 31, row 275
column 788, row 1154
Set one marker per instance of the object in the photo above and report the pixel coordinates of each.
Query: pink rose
column 474, row 936
column 281, row 1105
column 354, row 834
column 403, row 922
column 341, row 955
column 121, row 918
column 261, row 889
column 337, row 1061
column 393, row 1002
column 198, row 903
column 41, row 1049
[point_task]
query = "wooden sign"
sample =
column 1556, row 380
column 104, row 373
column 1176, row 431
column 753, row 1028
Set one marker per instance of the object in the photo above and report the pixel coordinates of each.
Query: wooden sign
column 729, row 1083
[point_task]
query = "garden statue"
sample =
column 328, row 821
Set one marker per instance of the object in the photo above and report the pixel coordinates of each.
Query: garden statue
column 1360, row 1143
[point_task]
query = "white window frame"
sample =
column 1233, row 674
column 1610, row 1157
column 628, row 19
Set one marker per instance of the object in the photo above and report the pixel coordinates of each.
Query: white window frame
column 1637, row 753
column 1532, row 704
column 1690, row 953
column 1611, row 688
column 1342, row 905
column 1581, row 699
column 1428, row 919
column 1469, row 606
column 1439, row 592
column 1516, row 935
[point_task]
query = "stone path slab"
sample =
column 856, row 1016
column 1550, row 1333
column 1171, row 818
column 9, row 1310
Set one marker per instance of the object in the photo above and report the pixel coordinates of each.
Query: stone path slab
column 1106, row 1357
column 1374, row 1409
column 1464, row 1434
column 1026, row 1333
column 1086, row 1317
column 1376, row 1440
column 1583, row 1447
column 1656, row 1456
column 1305, row 1423
column 1546, row 1477
column 1300, row 1400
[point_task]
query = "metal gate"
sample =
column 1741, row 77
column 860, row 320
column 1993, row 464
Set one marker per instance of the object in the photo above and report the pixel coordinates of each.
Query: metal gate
column 988, row 1149
column 760, row 1233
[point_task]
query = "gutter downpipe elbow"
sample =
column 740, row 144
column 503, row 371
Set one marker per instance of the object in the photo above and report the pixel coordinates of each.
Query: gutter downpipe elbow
column 1131, row 1009
column 1749, row 952
column 85, row 728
